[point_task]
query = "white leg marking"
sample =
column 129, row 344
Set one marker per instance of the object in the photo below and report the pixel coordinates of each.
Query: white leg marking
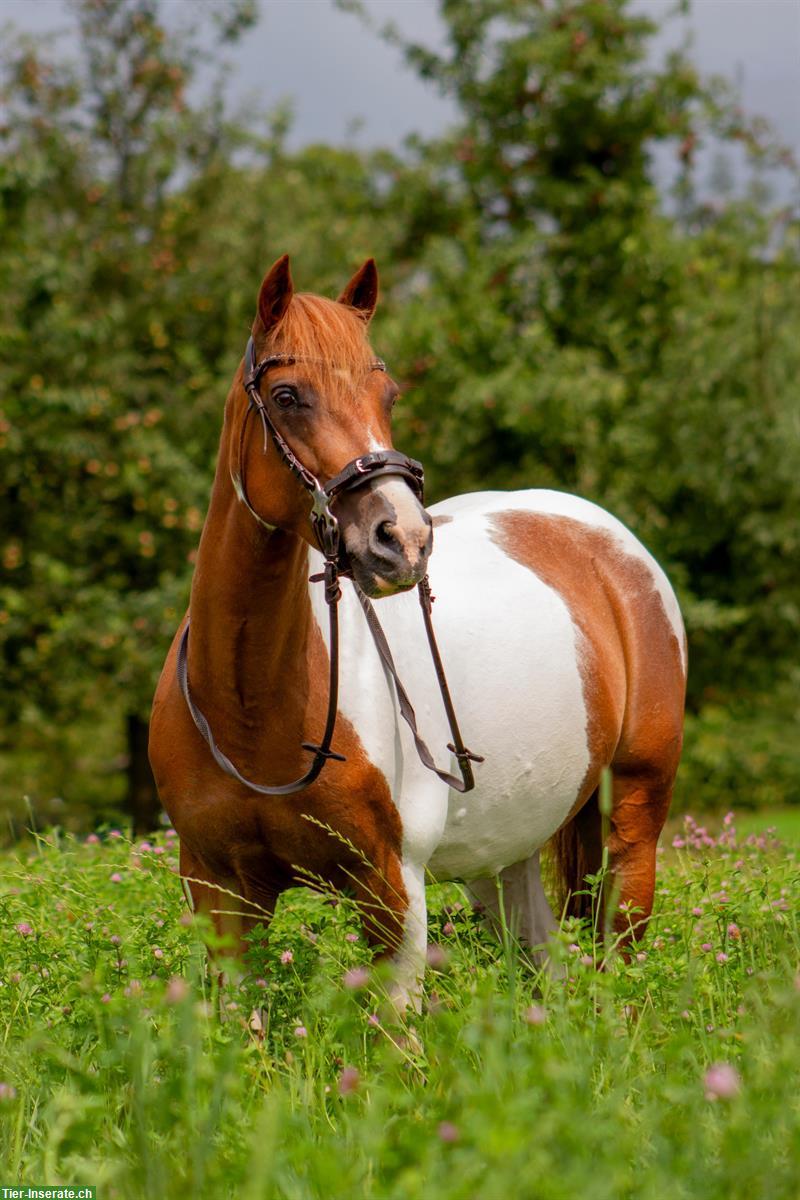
column 409, row 961
column 528, row 914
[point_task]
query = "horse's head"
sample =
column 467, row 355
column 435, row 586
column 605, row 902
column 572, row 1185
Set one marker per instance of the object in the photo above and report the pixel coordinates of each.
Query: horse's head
column 330, row 400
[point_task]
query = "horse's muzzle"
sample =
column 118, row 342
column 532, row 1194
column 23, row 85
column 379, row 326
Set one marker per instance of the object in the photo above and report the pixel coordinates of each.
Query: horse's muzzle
column 388, row 537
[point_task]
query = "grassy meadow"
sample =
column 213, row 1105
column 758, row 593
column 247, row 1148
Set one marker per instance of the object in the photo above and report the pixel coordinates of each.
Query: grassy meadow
column 673, row 1075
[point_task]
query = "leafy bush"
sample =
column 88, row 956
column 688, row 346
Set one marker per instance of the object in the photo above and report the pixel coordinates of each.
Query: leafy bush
column 742, row 753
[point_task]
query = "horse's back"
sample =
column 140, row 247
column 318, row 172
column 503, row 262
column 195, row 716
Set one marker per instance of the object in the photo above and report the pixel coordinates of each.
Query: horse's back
column 578, row 527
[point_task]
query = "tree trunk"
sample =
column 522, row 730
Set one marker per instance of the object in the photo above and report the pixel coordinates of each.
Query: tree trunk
column 142, row 802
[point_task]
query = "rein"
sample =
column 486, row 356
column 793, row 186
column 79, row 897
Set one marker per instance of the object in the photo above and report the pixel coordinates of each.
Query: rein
column 326, row 531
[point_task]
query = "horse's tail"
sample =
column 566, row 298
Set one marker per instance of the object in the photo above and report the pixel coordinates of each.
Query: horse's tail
column 573, row 852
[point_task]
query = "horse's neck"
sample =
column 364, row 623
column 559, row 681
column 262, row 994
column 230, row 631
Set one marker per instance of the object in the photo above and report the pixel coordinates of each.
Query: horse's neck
column 250, row 611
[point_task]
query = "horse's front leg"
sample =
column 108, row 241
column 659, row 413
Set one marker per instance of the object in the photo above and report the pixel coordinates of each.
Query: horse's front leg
column 394, row 917
column 409, row 958
column 232, row 913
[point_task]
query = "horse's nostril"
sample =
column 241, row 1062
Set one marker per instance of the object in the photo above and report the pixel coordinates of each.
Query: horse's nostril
column 384, row 535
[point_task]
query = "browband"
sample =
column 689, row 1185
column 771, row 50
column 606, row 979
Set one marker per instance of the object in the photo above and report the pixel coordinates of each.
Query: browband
column 254, row 370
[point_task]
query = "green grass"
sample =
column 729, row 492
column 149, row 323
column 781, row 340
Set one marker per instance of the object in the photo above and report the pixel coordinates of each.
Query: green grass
column 785, row 822
column 512, row 1084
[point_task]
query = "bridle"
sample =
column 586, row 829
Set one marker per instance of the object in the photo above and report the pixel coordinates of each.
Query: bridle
column 326, row 531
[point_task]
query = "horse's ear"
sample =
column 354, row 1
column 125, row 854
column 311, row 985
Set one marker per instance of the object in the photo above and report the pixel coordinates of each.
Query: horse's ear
column 361, row 292
column 276, row 293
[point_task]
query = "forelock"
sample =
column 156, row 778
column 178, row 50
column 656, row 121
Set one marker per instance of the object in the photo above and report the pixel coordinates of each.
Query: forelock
column 328, row 339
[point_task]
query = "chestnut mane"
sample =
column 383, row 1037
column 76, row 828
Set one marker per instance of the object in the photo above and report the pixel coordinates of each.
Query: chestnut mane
column 328, row 339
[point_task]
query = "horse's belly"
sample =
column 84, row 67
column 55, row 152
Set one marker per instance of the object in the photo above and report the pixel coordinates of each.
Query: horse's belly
column 510, row 649
column 485, row 833
column 527, row 717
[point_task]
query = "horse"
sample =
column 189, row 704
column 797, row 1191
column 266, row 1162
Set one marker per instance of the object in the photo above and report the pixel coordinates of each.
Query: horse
column 560, row 635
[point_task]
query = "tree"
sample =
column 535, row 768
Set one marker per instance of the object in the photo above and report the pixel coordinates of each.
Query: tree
column 103, row 475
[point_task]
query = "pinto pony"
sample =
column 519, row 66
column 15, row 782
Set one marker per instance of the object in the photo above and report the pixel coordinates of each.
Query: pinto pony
column 561, row 637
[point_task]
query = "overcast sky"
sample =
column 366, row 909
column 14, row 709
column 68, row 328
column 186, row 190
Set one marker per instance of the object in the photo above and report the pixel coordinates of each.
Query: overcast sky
column 336, row 72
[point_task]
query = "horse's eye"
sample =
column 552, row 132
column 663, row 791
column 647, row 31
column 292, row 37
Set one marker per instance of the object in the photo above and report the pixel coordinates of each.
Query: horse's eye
column 284, row 395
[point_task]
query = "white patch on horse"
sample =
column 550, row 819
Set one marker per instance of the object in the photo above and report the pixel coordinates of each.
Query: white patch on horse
column 510, row 649
column 405, row 990
column 512, row 655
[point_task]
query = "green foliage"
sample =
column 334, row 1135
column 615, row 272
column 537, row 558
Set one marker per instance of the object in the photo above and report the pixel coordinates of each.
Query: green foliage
column 576, row 336
column 115, row 1072
column 104, row 474
column 742, row 753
